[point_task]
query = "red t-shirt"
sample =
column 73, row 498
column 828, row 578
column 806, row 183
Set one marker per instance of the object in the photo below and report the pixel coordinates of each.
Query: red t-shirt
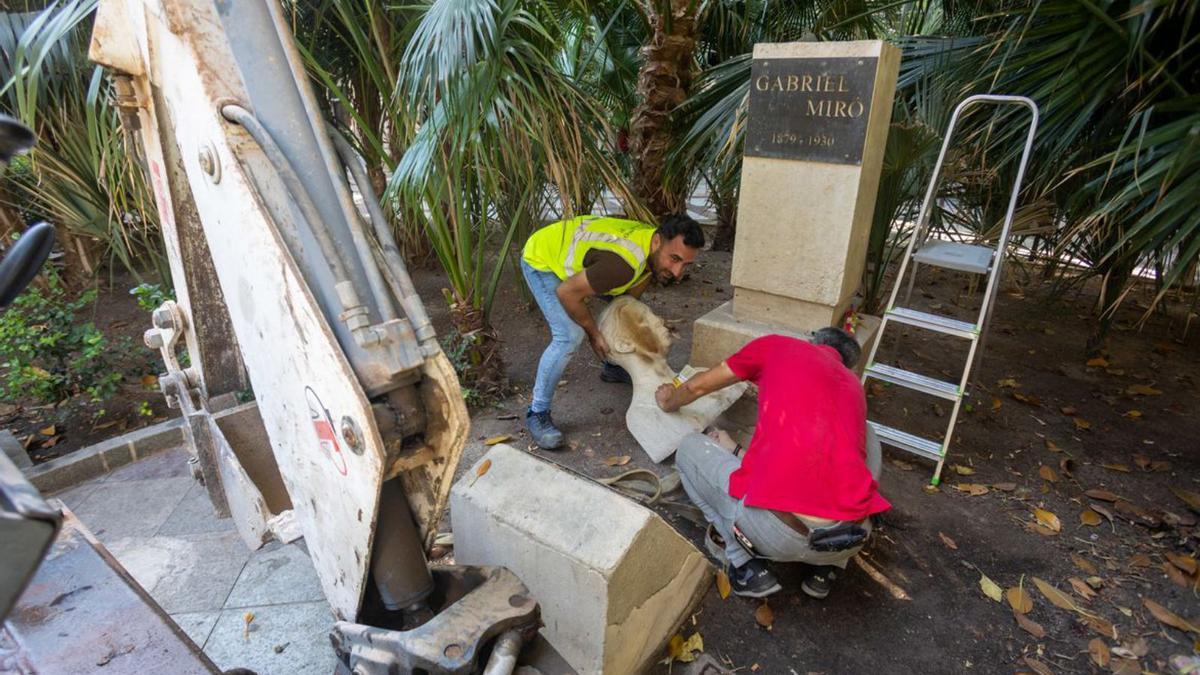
column 808, row 453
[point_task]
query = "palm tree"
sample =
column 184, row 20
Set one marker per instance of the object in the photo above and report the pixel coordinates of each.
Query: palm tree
column 664, row 81
column 500, row 127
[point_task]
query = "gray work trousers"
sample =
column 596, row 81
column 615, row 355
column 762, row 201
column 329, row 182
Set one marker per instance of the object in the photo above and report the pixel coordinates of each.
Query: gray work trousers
column 704, row 468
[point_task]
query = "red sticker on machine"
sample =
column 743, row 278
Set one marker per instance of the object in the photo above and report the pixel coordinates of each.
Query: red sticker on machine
column 322, row 423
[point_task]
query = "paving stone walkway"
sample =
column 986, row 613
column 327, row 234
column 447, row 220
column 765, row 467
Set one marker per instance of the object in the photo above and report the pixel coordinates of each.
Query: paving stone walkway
column 157, row 521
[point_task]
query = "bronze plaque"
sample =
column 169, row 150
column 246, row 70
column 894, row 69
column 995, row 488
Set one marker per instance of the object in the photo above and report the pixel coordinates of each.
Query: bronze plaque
column 810, row 109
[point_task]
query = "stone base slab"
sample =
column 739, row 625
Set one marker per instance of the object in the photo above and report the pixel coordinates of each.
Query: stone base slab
column 720, row 333
column 613, row 579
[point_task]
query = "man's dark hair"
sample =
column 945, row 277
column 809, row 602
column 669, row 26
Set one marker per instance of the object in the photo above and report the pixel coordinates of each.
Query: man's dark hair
column 681, row 225
column 845, row 344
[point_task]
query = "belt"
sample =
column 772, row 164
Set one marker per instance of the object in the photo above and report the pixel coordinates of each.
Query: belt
column 794, row 522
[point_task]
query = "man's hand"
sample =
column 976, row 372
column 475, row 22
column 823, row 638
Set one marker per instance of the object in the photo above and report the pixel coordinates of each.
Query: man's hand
column 599, row 345
column 662, row 396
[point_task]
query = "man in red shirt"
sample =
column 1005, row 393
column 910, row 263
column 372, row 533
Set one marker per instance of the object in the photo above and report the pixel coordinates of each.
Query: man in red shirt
column 802, row 491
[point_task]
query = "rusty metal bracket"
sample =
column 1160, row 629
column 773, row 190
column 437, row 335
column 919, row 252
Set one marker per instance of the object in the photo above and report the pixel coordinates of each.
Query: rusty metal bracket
column 478, row 605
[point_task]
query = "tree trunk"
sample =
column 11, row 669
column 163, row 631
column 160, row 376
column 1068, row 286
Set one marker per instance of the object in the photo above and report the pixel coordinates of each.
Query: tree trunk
column 663, row 83
column 480, row 367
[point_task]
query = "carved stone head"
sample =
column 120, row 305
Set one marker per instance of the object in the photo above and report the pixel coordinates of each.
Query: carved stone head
column 633, row 330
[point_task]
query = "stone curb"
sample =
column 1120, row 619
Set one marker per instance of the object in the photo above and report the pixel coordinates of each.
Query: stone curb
column 87, row 463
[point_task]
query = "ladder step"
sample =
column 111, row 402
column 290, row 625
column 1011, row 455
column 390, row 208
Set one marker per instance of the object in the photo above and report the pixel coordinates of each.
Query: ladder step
column 941, row 324
column 956, row 256
column 907, row 442
column 912, row 380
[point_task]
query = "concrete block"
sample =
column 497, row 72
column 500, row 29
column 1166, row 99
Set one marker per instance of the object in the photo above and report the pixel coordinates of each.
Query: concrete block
column 787, row 313
column 614, row 581
column 15, row 451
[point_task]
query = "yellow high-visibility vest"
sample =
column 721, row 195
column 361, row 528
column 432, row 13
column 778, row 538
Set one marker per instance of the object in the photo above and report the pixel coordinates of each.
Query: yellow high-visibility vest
column 560, row 247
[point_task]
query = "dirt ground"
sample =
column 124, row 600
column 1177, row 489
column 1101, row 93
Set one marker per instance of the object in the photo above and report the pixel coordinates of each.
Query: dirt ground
column 1043, row 427
column 53, row 430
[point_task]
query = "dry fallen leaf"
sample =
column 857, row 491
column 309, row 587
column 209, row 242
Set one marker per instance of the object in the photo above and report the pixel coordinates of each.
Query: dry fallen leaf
column 948, row 542
column 1190, row 498
column 618, row 460
column 1048, row 474
column 1008, row 383
column 996, row 403
column 149, row 381
column 1095, row 582
column 764, row 616
column 1102, row 495
column 1168, row 617
column 1178, row 578
column 1084, row 564
column 1018, row 598
column 1098, row 362
column 1081, row 423
column 1185, row 563
column 1101, row 625
column 483, row 468
column 1029, row 626
column 47, row 431
column 902, row 465
column 1140, row 560
column 973, row 489
column 1055, row 596
column 1090, row 517
column 1099, row 652
column 1037, row 666
column 684, row 651
column 1047, row 520
column 1052, row 446
column 1117, row 467
column 1142, row 390
column 1133, row 414
column 962, row 470
column 497, row 439
column 990, row 588
column 1101, row 510
column 723, row 585
column 1005, row 487
column 247, row 618
column 1068, row 410
column 1081, row 588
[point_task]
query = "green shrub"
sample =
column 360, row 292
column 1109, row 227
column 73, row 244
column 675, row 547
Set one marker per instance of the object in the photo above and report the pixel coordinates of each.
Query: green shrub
column 49, row 354
column 150, row 296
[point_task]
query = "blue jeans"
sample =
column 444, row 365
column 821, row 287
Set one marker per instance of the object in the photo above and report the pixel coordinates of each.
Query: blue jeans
column 565, row 336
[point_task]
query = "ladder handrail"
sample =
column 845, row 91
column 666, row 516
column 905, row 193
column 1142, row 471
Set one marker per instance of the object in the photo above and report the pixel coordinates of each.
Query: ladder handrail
column 997, row 261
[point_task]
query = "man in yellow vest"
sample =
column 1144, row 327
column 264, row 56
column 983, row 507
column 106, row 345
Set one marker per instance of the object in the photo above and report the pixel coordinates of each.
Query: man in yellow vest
column 569, row 261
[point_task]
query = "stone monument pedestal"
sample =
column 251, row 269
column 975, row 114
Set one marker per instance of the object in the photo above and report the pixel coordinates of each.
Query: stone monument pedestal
column 815, row 136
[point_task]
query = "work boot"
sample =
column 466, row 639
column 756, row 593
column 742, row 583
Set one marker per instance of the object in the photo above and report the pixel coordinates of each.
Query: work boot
column 542, row 430
column 611, row 372
column 752, row 580
column 820, row 582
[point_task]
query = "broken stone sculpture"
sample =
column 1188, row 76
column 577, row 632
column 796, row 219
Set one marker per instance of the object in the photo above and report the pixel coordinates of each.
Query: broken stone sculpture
column 638, row 341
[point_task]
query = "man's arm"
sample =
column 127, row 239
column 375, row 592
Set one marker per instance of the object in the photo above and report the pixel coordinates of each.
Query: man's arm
column 671, row 398
column 572, row 293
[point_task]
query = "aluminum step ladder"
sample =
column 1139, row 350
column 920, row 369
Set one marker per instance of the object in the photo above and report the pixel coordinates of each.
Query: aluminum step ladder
column 971, row 258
